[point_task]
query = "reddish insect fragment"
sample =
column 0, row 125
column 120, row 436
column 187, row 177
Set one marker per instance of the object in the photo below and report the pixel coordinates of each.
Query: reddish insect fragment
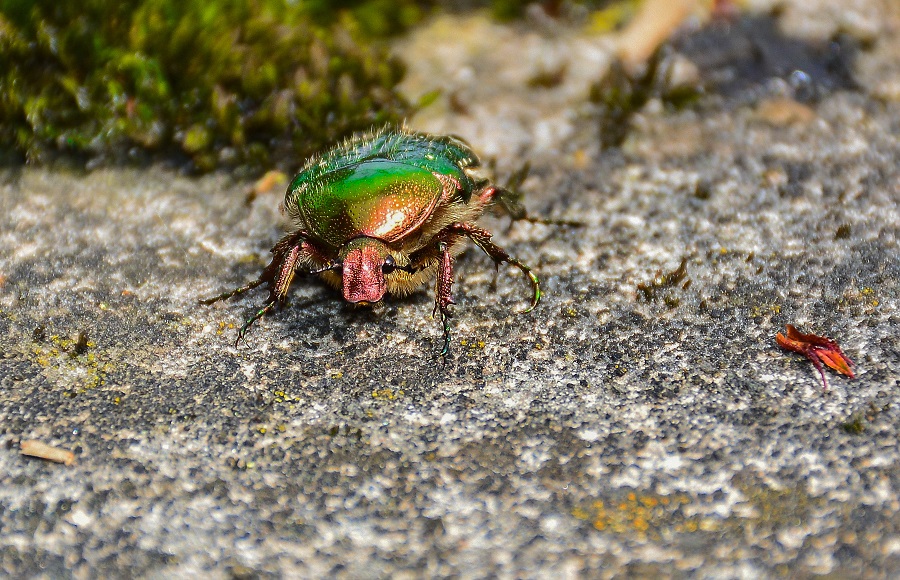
column 818, row 349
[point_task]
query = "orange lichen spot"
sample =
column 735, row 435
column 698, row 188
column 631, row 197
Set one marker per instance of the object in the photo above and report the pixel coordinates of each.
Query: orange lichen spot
column 579, row 514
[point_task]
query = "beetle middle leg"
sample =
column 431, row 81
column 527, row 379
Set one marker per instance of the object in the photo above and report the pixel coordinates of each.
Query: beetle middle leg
column 442, row 254
column 482, row 239
column 278, row 286
column 231, row 293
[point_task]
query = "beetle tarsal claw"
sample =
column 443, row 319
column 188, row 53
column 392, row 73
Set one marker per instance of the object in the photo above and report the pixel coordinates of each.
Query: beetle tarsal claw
column 535, row 284
column 445, row 322
column 445, row 312
column 259, row 314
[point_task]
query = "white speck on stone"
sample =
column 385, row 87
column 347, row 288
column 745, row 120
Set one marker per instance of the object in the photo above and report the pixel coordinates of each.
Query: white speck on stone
column 550, row 524
column 791, row 538
column 589, row 434
column 249, row 370
column 80, row 518
column 891, row 546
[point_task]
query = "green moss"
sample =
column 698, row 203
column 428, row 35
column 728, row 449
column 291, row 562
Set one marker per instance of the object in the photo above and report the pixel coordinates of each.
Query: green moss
column 376, row 18
column 213, row 83
column 854, row 425
column 225, row 83
column 657, row 288
column 857, row 422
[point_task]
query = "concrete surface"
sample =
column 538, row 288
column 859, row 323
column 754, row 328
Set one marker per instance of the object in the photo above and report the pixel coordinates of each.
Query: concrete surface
column 601, row 435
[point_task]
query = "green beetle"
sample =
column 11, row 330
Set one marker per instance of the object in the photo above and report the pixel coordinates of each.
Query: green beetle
column 385, row 212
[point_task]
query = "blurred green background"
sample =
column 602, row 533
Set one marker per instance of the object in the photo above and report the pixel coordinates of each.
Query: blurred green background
column 240, row 84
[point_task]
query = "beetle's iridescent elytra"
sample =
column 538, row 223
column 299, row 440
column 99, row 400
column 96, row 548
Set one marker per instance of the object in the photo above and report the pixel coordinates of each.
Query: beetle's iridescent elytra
column 384, row 213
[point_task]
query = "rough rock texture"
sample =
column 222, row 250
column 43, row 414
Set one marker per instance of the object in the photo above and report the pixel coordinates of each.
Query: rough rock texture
column 601, row 434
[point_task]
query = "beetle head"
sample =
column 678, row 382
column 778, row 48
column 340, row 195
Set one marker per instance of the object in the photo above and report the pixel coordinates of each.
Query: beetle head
column 364, row 262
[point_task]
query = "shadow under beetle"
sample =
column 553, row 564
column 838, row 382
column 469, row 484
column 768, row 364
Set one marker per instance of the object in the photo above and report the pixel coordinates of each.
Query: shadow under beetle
column 385, row 212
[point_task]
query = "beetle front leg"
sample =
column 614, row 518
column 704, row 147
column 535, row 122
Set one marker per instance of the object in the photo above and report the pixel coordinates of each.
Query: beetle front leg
column 442, row 294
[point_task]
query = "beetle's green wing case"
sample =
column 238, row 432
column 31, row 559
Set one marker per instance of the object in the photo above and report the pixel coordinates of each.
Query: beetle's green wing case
column 376, row 198
column 442, row 155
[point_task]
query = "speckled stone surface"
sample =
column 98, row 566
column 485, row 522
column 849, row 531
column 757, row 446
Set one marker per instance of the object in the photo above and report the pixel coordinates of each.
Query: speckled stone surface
column 599, row 435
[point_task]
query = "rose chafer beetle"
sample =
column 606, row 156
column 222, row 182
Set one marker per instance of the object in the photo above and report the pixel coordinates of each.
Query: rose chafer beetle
column 385, row 212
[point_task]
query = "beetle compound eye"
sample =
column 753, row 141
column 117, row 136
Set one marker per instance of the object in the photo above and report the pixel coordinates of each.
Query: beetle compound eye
column 389, row 265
